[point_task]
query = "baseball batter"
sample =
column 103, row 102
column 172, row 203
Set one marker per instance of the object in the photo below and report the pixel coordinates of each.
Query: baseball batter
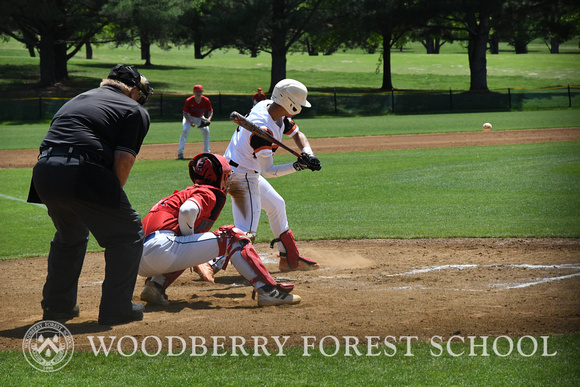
column 251, row 158
column 178, row 237
column 194, row 111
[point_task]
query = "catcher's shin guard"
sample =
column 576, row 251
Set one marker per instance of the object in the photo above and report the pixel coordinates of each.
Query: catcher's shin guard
column 239, row 242
column 291, row 259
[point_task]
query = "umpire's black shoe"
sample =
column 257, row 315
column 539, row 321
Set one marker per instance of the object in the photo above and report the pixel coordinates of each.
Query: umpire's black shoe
column 52, row 315
column 136, row 314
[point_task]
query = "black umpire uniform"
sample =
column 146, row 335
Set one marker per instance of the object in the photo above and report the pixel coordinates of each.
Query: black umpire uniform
column 75, row 177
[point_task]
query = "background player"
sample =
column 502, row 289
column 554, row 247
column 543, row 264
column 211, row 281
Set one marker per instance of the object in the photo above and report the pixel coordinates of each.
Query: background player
column 177, row 237
column 194, row 111
column 252, row 160
column 258, row 96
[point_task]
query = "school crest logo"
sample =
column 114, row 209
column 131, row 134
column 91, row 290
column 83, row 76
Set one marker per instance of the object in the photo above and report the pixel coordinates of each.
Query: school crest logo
column 48, row 346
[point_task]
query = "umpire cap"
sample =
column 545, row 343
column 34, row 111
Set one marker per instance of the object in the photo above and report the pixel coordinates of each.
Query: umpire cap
column 126, row 74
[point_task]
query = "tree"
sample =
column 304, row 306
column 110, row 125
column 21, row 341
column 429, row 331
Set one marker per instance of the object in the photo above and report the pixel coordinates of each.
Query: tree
column 271, row 26
column 144, row 21
column 383, row 22
column 473, row 18
column 517, row 23
column 559, row 22
column 57, row 29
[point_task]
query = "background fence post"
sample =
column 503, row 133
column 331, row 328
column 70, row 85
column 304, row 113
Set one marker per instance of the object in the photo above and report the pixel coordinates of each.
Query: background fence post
column 335, row 103
column 161, row 105
column 569, row 97
column 392, row 100
column 450, row 99
column 509, row 98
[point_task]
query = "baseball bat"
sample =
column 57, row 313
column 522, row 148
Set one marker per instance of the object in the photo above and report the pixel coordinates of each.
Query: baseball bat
column 249, row 125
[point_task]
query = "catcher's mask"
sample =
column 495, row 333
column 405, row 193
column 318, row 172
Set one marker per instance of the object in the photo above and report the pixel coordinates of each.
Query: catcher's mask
column 211, row 169
column 291, row 95
column 145, row 91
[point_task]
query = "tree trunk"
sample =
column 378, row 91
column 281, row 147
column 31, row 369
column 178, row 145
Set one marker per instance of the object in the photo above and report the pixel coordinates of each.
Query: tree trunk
column 476, row 50
column 60, row 61
column 88, row 50
column 197, row 49
column 494, row 44
column 47, row 65
column 278, row 39
column 554, row 45
column 387, row 80
column 429, row 45
column 31, row 51
column 521, row 46
column 146, row 50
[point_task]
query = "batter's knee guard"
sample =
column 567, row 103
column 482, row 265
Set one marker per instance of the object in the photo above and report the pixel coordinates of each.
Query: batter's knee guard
column 291, row 259
column 239, row 242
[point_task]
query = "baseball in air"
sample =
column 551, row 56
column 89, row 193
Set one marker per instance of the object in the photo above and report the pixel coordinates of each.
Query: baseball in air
column 486, row 127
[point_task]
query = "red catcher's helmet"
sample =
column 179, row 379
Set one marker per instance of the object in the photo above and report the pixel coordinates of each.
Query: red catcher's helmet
column 210, row 169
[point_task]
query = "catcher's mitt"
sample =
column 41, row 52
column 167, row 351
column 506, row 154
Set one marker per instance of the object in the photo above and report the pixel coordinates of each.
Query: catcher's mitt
column 204, row 122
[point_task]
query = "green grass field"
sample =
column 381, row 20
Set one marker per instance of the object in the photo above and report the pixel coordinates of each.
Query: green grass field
column 393, row 367
column 228, row 72
column 497, row 191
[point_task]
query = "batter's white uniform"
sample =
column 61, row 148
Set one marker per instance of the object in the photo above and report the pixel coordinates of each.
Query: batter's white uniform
column 251, row 158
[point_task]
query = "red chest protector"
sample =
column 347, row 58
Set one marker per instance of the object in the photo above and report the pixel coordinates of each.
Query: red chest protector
column 165, row 214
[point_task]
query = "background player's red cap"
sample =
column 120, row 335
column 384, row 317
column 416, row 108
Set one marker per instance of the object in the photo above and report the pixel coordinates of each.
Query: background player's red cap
column 198, row 88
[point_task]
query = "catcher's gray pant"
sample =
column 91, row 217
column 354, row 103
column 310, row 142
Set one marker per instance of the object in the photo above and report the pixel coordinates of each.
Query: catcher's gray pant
column 251, row 193
column 185, row 132
column 165, row 252
column 118, row 230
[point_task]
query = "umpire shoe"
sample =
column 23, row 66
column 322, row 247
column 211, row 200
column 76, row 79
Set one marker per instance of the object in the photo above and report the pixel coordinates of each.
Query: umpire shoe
column 136, row 314
column 52, row 315
column 275, row 297
column 154, row 294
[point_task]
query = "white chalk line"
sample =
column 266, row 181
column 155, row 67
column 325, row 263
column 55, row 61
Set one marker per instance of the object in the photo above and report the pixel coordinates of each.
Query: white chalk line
column 566, row 266
column 21, row 200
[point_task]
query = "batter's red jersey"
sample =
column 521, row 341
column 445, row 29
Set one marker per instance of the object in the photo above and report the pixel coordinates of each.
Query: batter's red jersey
column 165, row 214
column 197, row 109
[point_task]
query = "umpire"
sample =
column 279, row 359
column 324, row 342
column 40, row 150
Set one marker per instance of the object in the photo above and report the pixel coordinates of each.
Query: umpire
column 84, row 162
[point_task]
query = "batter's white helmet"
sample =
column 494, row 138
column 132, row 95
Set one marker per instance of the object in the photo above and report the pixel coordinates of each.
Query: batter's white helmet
column 291, row 95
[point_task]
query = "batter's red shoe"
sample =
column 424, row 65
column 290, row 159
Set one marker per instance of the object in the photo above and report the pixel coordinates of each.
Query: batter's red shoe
column 304, row 264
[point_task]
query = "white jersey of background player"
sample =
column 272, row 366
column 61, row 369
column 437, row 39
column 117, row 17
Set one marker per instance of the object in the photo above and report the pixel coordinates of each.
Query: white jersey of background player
column 251, row 158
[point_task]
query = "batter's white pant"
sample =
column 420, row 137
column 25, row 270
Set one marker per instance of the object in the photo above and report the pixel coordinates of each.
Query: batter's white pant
column 251, row 193
column 185, row 132
column 165, row 252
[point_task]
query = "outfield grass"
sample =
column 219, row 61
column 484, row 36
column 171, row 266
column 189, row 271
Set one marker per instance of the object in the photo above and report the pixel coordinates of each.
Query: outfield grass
column 496, row 191
column 229, row 72
column 30, row 135
column 394, row 367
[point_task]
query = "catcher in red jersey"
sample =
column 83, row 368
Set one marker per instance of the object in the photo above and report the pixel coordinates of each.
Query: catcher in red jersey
column 251, row 157
column 178, row 237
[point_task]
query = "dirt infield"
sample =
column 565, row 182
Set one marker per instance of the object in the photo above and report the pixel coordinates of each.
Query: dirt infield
column 420, row 287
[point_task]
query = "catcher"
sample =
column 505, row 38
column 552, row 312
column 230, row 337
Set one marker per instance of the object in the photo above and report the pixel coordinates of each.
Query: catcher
column 252, row 160
column 178, row 237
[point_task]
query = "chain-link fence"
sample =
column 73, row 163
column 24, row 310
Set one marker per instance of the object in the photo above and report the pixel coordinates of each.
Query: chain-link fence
column 164, row 106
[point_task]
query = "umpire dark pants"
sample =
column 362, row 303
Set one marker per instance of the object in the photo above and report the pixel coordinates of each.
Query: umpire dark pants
column 119, row 230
